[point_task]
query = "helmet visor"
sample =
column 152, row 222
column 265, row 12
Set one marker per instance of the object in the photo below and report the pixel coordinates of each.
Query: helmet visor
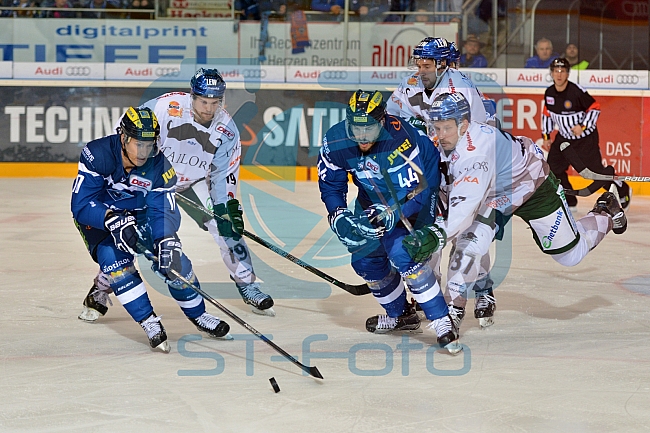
column 363, row 133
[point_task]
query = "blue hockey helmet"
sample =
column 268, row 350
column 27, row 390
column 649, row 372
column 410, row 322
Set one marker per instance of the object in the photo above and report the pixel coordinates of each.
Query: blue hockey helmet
column 363, row 115
column 454, row 54
column 449, row 106
column 208, row 83
column 431, row 48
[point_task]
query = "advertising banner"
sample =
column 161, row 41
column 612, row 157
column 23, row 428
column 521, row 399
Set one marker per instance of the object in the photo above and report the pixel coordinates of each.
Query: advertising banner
column 6, row 70
column 145, row 72
column 528, row 77
column 277, row 127
column 60, row 71
column 608, row 79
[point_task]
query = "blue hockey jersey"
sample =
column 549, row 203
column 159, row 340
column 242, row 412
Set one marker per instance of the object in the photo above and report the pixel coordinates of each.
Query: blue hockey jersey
column 102, row 183
column 339, row 156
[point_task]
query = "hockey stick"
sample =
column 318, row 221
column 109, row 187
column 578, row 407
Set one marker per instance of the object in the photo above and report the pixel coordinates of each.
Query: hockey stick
column 589, row 174
column 356, row 290
column 588, row 190
column 393, row 194
column 313, row 371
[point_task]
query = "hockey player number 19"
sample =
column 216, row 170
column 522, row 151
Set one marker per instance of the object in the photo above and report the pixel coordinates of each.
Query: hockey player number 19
column 406, row 183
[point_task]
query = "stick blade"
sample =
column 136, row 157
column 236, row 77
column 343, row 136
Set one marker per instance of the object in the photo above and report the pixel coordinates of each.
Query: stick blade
column 358, row 290
column 313, row 371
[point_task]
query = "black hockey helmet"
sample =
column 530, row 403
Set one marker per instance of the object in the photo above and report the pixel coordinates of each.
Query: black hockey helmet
column 140, row 123
column 560, row 62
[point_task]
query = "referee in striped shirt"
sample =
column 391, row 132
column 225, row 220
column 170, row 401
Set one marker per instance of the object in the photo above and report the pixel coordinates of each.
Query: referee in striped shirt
column 575, row 112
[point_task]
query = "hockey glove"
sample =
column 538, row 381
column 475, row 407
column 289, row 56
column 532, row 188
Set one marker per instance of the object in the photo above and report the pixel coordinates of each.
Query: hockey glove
column 123, row 229
column 424, row 242
column 351, row 231
column 231, row 223
column 417, row 123
column 381, row 217
column 168, row 250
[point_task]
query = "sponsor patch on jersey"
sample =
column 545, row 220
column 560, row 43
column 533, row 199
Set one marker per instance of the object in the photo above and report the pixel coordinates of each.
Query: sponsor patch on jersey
column 412, row 81
column 140, row 182
column 454, row 157
column 470, row 146
column 225, row 131
column 89, row 156
column 175, row 109
column 550, row 100
column 372, row 165
column 568, row 105
column 406, row 144
column 169, row 175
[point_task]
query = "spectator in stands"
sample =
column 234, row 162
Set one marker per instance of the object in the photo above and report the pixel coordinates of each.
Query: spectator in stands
column 140, row 4
column 101, row 4
column 400, row 6
column 544, row 56
column 373, row 10
column 571, row 54
column 473, row 57
column 62, row 5
column 252, row 9
column 334, row 8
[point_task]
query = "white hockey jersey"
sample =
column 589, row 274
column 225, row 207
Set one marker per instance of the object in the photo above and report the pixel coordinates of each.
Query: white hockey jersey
column 409, row 101
column 490, row 170
column 197, row 152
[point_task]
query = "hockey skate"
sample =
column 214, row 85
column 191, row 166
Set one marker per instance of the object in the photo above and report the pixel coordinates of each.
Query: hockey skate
column 212, row 326
column 608, row 203
column 447, row 333
column 156, row 333
column 624, row 195
column 260, row 302
column 95, row 304
column 457, row 314
column 409, row 321
column 484, row 309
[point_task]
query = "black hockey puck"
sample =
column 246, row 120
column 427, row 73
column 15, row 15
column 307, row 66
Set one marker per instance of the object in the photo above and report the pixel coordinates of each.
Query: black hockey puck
column 274, row 384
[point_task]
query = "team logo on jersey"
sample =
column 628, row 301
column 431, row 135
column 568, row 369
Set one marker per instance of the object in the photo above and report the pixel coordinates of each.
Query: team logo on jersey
column 372, row 166
column 225, row 131
column 568, row 105
column 470, row 146
column 140, row 183
column 550, row 100
column 175, row 109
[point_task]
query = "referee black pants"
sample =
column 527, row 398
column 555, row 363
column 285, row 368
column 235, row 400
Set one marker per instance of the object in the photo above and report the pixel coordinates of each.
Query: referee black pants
column 588, row 152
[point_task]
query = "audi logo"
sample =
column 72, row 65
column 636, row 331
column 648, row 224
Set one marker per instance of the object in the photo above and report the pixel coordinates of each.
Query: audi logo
column 77, row 71
column 334, row 75
column 170, row 71
column 481, row 77
column 632, row 8
column 627, row 79
column 254, row 73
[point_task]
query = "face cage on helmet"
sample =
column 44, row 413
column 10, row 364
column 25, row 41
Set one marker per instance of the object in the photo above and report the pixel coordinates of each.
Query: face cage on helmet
column 366, row 133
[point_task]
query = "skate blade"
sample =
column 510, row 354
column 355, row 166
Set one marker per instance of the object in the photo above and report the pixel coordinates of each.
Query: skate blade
column 89, row 315
column 268, row 312
column 485, row 322
column 454, row 348
column 225, row 337
column 164, row 347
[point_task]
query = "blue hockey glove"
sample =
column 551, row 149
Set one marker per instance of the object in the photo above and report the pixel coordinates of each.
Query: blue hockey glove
column 123, row 229
column 351, row 231
column 231, row 223
column 424, row 242
column 169, row 251
column 381, row 217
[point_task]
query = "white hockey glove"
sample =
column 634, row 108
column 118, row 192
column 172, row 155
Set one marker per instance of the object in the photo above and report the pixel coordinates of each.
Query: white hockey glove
column 123, row 229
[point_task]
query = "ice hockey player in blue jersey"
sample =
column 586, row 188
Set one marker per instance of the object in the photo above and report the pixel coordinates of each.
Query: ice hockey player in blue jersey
column 381, row 151
column 123, row 196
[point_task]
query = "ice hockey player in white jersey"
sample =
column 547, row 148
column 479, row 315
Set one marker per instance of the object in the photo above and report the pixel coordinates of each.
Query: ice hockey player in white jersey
column 435, row 60
column 494, row 175
column 201, row 140
column 434, row 76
